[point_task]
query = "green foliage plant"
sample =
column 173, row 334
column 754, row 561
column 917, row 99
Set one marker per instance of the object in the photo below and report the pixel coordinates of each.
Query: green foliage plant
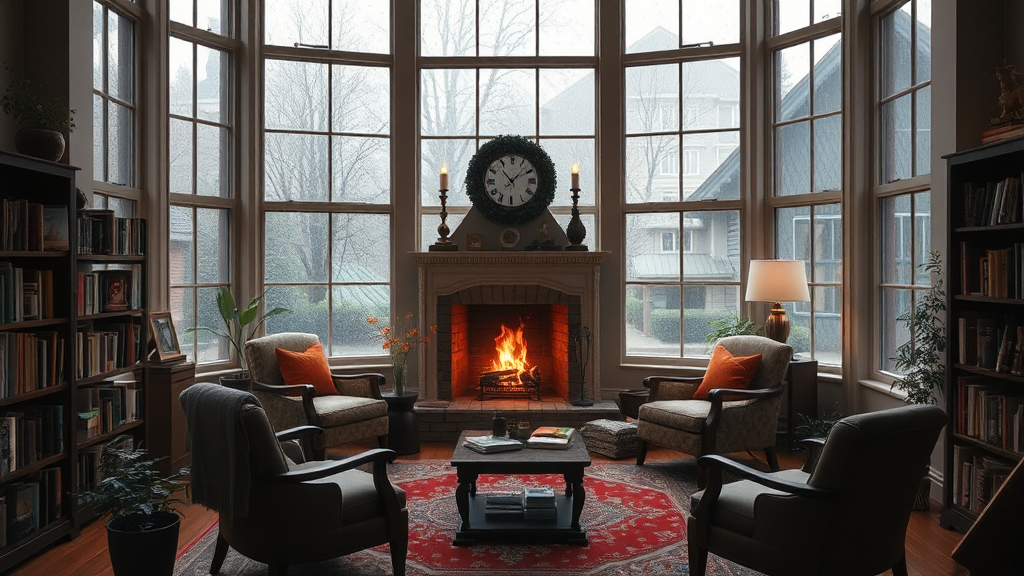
column 23, row 100
column 133, row 491
column 811, row 427
column 920, row 358
column 731, row 326
column 239, row 325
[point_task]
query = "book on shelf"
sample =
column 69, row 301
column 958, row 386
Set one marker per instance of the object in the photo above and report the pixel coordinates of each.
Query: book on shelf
column 22, row 510
column 550, row 442
column 25, row 226
column 25, row 294
column 491, row 444
column 108, row 290
column 504, row 505
column 101, row 232
column 55, row 228
column 553, row 431
column 1004, row 132
column 539, row 497
column 988, row 342
column 30, row 361
column 992, row 203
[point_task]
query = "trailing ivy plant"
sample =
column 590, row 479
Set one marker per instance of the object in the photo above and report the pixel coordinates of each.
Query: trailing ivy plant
column 731, row 326
column 919, row 359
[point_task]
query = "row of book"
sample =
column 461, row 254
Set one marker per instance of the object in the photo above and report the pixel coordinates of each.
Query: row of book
column 992, row 203
column 29, row 435
column 992, row 272
column 29, row 505
column 30, row 226
column 108, row 346
column 976, row 477
column 991, row 412
column 105, row 408
column 109, row 290
column 30, row 361
column 89, row 458
column 546, row 437
column 533, row 503
column 25, row 294
column 100, row 232
column 991, row 343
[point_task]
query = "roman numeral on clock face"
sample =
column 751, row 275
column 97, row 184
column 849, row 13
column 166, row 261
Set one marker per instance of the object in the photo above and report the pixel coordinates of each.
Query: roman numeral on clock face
column 490, row 180
column 531, row 181
column 530, row 192
column 494, row 191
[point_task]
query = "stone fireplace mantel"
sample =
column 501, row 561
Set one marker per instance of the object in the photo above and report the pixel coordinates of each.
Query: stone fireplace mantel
column 497, row 273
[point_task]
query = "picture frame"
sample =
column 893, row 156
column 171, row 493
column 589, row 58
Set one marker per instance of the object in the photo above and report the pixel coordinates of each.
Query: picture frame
column 474, row 241
column 165, row 337
column 116, row 287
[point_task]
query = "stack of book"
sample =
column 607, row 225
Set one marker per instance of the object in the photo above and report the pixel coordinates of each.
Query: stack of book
column 504, row 506
column 539, row 503
column 491, row 444
column 552, row 437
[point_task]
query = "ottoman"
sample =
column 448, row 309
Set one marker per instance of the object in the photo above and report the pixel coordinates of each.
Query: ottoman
column 610, row 438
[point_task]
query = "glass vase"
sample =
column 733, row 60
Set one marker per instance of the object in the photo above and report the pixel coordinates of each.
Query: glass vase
column 398, row 363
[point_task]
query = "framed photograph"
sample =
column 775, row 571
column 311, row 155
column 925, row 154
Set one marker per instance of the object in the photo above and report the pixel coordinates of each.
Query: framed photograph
column 474, row 242
column 116, row 289
column 167, row 347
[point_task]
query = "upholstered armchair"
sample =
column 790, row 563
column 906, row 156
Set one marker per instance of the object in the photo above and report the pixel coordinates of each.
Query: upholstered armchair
column 283, row 510
column 729, row 420
column 356, row 413
column 847, row 516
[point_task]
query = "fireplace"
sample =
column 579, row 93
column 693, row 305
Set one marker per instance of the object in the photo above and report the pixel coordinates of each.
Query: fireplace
column 469, row 296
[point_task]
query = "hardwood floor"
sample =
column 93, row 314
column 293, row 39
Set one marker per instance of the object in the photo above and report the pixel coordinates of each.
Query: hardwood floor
column 928, row 545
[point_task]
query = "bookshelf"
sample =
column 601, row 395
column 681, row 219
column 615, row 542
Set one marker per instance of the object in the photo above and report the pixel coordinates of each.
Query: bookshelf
column 54, row 358
column 985, row 353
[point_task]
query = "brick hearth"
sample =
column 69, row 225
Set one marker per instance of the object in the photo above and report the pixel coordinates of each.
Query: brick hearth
column 443, row 421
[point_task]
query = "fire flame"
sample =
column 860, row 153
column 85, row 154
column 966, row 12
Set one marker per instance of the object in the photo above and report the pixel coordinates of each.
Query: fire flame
column 511, row 348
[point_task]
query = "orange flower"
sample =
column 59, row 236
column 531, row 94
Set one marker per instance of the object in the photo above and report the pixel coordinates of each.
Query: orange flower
column 406, row 346
column 387, row 343
column 372, row 319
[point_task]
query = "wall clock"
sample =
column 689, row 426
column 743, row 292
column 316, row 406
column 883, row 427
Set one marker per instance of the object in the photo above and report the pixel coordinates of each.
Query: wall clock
column 511, row 180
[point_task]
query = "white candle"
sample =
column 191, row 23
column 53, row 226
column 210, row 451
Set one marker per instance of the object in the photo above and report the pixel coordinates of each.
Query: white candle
column 575, row 175
column 444, row 176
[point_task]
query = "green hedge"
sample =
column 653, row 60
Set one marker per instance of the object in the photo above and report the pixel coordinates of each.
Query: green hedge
column 665, row 324
column 634, row 312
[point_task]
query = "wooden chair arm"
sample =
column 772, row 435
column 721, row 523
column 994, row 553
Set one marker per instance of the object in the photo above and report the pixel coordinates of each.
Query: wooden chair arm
column 814, row 446
column 376, row 380
column 380, row 457
column 304, row 391
column 717, row 397
column 654, row 383
column 715, row 464
column 308, row 436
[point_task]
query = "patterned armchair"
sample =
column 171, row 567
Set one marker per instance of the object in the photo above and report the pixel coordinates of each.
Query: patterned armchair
column 729, row 420
column 356, row 413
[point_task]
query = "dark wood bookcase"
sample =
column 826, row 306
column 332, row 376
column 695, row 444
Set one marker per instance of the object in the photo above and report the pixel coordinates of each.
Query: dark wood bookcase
column 53, row 185
column 985, row 271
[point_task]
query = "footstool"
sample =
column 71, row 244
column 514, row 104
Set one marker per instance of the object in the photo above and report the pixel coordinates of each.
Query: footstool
column 610, row 438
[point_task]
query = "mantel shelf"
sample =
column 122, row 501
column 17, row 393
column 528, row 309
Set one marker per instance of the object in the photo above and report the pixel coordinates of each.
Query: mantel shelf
column 510, row 258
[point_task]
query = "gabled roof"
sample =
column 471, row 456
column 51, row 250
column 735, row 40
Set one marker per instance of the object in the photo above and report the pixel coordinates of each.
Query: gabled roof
column 695, row 266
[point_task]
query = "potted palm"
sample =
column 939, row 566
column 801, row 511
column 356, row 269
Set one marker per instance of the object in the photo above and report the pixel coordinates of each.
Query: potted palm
column 43, row 119
column 142, row 533
column 239, row 327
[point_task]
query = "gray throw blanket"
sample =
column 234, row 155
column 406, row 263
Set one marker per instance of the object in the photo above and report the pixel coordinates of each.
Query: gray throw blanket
column 219, row 446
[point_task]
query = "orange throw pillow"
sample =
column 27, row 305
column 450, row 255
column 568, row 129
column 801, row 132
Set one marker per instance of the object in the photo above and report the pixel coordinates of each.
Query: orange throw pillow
column 309, row 367
column 727, row 371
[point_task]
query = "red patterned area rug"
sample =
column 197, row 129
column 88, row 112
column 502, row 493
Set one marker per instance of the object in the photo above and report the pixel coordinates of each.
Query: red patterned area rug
column 635, row 518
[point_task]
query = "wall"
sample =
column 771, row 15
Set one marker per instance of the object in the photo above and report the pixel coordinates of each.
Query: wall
column 11, row 40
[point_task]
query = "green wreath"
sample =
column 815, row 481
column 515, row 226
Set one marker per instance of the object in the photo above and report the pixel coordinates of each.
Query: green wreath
column 519, row 146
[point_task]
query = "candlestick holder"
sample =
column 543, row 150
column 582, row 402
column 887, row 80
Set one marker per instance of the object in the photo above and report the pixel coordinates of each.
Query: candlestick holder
column 576, row 232
column 443, row 243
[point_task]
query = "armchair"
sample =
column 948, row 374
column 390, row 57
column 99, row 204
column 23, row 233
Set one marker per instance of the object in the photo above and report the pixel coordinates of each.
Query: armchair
column 357, row 412
column 729, row 420
column 845, row 517
column 284, row 510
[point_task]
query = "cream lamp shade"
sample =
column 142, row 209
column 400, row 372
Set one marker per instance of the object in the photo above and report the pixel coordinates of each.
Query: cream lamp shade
column 777, row 281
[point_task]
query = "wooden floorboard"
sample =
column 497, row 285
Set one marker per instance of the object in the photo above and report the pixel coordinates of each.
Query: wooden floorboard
column 928, row 545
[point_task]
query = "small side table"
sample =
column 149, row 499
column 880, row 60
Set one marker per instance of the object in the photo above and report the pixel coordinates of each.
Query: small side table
column 801, row 393
column 403, row 430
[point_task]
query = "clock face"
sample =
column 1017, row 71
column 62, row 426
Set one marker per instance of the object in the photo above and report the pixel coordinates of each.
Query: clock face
column 511, row 181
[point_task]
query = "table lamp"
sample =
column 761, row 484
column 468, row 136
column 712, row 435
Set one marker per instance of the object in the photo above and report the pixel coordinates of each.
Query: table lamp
column 777, row 281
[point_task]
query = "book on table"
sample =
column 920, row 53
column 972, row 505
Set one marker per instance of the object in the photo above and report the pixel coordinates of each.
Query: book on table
column 546, row 440
column 504, row 505
column 491, row 444
column 553, row 431
column 539, row 503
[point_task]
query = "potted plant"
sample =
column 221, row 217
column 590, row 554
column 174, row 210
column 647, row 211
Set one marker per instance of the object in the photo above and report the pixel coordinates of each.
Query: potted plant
column 398, row 339
column 919, row 359
column 142, row 533
column 43, row 120
column 731, row 326
column 239, row 327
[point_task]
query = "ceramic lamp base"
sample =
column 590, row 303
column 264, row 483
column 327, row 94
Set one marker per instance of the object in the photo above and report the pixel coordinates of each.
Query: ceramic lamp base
column 777, row 326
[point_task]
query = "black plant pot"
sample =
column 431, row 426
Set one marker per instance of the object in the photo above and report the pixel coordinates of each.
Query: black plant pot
column 238, row 381
column 40, row 143
column 144, row 553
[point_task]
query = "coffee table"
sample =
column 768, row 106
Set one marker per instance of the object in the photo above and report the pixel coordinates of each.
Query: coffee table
column 476, row 527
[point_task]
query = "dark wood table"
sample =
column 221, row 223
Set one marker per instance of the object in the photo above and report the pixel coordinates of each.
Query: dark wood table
column 476, row 527
column 403, row 429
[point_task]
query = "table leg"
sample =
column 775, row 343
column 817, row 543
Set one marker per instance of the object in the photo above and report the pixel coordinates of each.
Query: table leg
column 574, row 487
column 568, row 485
column 467, row 486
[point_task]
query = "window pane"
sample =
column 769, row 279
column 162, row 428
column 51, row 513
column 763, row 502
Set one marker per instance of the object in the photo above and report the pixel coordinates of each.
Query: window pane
column 209, row 347
column 507, row 28
column 588, row 223
column 213, row 16
column 652, row 98
column 792, row 234
column 182, row 264
column 651, row 25
column 717, row 22
column 828, row 153
column 295, row 167
column 183, row 314
column 564, row 153
column 825, row 9
column 896, row 146
column 508, row 101
column 361, row 170
column 792, row 75
column 121, row 161
column 309, row 310
column 361, row 26
column 566, row 27
column 793, row 159
column 567, row 102
column 448, row 28
column 714, row 254
column 713, row 166
column 99, row 139
column 895, row 303
column 98, row 63
column 923, row 138
column 181, row 11
column 791, row 14
column 923, row 64
column 180, row 151
column 213, row 246
column 296, row 96
column 429, row 224
column 447, row 103
column 456, row 154
column 897, row 239
column 652, row 320
column 896, row 50
column 646, row 258
column 181, row 77
column 702, row 305
column 360, row 248
column 922, row 236
column 361, row 99
column 298, row 252
column 799, row 314
column 122, row 207
column 120, row 57
column 211, row 84
column 828, row 74
column 652, row 169
column 828, row 325
column 288, row 22
column 352, row 305
column 711, row 87
column 828, row 244
column 212, row 170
